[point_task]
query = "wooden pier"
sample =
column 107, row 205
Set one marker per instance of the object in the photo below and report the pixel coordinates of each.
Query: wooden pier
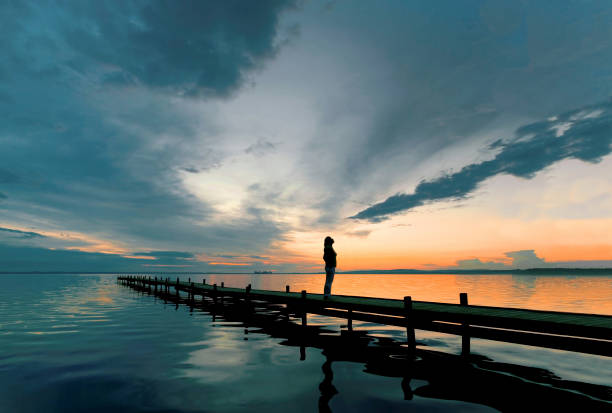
column 584, row 333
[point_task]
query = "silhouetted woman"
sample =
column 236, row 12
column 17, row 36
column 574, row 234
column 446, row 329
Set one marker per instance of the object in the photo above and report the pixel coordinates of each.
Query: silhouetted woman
column 329, row 256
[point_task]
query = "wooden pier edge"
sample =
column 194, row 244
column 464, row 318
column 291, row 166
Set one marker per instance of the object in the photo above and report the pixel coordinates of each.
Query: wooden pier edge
column 583, row 333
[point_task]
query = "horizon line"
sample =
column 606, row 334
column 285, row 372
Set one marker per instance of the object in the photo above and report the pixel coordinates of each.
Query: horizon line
column 366, row 271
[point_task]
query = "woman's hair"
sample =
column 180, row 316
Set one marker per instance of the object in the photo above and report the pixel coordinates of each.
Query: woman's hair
column 328, row 241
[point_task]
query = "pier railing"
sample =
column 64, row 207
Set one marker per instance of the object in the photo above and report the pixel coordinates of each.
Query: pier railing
column 584, row 333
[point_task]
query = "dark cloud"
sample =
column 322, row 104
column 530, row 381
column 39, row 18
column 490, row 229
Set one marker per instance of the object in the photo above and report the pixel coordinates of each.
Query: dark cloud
column 584, row 134
column 259, row 257
column 21, row 258
column 526, row 259
column 519, row 259
column 21, row 234
column 190, row 48
column 165, row 254
column 260, row 148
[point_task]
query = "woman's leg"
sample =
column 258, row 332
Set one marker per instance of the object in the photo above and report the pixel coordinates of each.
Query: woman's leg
column 329, row 278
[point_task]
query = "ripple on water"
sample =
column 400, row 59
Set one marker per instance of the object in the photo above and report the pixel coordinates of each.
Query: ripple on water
column 70, row 341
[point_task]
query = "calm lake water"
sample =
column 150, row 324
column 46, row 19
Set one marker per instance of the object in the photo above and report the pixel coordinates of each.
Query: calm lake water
column 85, row 343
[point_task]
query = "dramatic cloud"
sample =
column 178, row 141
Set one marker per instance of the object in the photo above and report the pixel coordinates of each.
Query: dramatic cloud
column 93, row 141
column 194, row 48
column 584, row 134
column 393, row 108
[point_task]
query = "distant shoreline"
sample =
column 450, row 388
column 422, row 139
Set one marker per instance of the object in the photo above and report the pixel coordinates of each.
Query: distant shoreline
column 530, row 271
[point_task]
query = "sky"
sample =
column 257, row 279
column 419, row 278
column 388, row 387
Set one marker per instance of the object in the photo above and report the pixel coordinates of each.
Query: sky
column 234, row 136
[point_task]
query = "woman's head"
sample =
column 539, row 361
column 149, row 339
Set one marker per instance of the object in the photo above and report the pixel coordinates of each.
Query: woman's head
column 328, row 241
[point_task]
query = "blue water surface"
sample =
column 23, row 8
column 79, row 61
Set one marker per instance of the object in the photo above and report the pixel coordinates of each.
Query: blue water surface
column 73, row 343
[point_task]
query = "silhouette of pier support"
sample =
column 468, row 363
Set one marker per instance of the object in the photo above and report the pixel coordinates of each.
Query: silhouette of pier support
column 410, row 335
column 465, row 336
column 304, row 310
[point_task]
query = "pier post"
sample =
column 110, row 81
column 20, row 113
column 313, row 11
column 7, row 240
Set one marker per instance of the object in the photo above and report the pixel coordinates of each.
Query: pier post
column 247, row 298
column 247, row 309
column 222, row 295
column 287, row 305
column 192, row 296
column 156, row 285
column 411, row 339
column 190, row 290
column 465, row 337
column 350, row 319
column 304, row 314
column 149, row 284
column 204, row 281
column 177, row 286
column 215, row 293
column 304, row 324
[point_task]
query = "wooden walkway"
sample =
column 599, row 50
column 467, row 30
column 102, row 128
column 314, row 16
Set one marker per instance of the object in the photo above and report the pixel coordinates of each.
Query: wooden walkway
column 584, row 333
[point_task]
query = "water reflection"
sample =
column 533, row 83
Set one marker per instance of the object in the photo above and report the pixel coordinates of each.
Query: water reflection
column 326, row 387
column 427, row 374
